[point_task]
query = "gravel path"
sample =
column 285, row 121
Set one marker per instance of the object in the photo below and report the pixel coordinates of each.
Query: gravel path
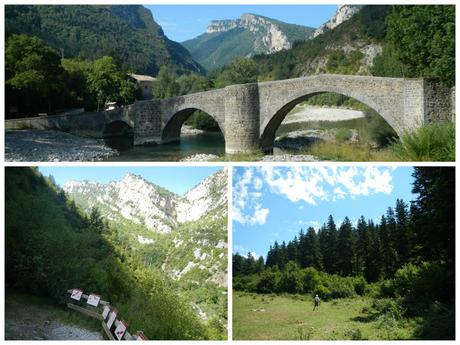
column 53, row 146
column 307, row 113
column 48, row 330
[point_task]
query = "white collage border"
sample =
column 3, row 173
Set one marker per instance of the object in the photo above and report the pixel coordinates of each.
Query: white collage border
column 229, row 165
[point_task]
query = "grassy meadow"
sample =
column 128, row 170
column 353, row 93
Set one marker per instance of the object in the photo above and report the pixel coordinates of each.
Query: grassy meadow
column 291, row 317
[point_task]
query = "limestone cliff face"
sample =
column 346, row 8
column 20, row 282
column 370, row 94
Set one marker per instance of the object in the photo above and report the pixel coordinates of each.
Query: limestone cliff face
column 269, row 36
column 142, row 202
column 344, row 13
column 246, row 36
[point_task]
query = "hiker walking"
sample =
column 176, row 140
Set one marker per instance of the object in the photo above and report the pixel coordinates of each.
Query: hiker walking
column 316, row 301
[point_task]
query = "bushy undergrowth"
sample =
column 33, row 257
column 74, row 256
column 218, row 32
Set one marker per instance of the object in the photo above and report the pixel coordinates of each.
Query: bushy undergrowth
column 56, row 247
column 305, row 281
column 420, row 292
column 432, row 142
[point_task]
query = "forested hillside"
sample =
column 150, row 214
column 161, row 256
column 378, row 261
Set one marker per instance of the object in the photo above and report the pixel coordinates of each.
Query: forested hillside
column 405, row 262
column 127, row 33
column 247, row 36
column 52, row 245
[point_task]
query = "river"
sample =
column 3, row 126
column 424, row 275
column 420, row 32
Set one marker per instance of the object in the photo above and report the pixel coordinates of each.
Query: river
column 206, row 142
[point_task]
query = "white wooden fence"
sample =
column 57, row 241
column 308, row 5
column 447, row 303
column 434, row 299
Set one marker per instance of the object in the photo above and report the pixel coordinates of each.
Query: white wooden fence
column 113, row 327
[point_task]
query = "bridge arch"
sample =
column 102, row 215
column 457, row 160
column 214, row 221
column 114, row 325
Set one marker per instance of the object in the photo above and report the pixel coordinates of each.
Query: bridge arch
column 172, row 129
column 117, row 128
column 118, row 134
column 275, row 116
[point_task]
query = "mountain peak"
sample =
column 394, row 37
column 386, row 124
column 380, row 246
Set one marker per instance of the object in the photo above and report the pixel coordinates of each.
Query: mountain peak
column 343, row 13
column 246, row 36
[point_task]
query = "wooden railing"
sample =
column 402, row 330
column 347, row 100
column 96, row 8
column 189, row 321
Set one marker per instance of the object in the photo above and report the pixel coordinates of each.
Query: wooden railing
column 113, row 327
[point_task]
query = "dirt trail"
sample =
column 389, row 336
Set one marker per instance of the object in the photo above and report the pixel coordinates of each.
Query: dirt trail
column 48, row 330
column 34, row 318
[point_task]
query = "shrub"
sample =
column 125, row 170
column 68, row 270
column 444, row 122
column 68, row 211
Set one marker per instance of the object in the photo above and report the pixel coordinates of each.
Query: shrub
column 343, row 135
column 291, row 280
column 269, row 281
column 360, row 285
column 340, row 287
column 311, row 280
column 432, row 142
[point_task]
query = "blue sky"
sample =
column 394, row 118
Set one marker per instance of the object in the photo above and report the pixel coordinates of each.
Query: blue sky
column 183, row 22
column 176, row 179
column 274, row 203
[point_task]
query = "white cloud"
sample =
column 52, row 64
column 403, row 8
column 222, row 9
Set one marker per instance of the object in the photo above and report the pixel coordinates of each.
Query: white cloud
column 308, row 184
column 254, row 255
column 323, row 183
column 314, row 224
column 260, row 215
column 247, row 208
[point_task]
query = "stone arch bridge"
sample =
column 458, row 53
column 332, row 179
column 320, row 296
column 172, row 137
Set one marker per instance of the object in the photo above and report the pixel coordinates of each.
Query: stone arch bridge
column 249, row 114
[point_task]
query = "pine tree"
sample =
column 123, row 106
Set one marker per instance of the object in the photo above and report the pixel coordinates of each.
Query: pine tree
column 292, row 248
column 387, row 250
column 435, row 205
column 282, row 256
column 270, row 262
column 374, row 264
column 237, row 264
column 393, row 235
column 402, row 243
column 314, row 250
column 328, row 245
column 346, row 252
column 363, row 246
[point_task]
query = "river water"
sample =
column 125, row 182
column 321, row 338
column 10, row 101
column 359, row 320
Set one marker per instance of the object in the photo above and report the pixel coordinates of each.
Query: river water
column 206, row 142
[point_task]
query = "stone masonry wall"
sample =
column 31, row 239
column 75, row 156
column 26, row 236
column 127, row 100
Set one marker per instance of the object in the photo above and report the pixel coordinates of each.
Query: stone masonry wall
column 437, row 102
column 242, row 118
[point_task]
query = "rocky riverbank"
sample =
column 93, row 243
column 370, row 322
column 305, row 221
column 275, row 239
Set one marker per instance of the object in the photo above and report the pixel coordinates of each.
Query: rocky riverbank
column 51, row 146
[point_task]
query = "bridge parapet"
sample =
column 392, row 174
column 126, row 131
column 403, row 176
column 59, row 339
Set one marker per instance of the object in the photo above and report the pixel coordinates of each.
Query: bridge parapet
column 249, row 114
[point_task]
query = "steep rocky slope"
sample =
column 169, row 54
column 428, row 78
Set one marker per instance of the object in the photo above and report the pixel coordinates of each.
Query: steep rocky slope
column 184, row 236
column 342, row 46
column 246, row 36
column 343, row 13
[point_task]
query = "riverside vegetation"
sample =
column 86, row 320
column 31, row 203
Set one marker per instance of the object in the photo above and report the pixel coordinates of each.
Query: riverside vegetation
column 407, row 41
column 391, row 280
column 58, row 246
column 408, row 51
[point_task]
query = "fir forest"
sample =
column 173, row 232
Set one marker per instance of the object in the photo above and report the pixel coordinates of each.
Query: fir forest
column 388, row 279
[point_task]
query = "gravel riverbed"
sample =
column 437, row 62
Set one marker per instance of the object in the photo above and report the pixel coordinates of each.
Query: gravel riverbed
column 53, row 146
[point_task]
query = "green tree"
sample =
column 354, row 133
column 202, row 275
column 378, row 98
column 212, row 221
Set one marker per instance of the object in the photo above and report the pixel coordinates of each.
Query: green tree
column 346, row 249
column 435, row 209
column 104, row 81
column 403, row 235
column 363, row 246
column 328, row 245
column 34, row 77
column 166, row 84
column 423, row 40
column 374, row 268
column 240, row 71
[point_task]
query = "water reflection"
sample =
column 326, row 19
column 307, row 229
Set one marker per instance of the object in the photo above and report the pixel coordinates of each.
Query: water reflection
column 207, row 142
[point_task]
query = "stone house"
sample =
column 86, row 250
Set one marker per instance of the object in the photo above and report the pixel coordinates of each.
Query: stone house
column 144, row 82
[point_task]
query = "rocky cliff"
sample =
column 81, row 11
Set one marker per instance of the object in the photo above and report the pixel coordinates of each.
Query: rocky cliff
column 142, row 202
column 344, row 13
column 185, row 236
column 246, row 36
